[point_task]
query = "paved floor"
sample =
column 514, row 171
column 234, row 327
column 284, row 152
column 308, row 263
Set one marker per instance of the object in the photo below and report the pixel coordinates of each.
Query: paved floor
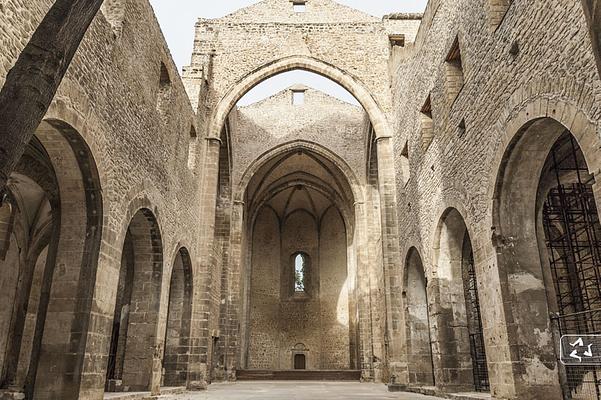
column 297, row 391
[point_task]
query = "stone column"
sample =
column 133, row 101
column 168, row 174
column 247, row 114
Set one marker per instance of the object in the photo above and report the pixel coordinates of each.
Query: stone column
column 66, row 368
column 389, row 278
column 204, row 274
column 362, row 294
column 233, row 298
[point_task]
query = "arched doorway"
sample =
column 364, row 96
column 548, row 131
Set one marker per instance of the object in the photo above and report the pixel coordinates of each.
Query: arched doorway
column 52, row 201
column 177, row 336
column 133, row 347
column 460, row 356
column 419, row 346
column 28, row 217
column 552, row 217
column 298, row 286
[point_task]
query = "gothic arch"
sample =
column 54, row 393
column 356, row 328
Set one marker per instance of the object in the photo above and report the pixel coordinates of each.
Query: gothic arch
column 419, row 342
column 532, row 103
column 179, row 314
column 298, row 145
column 535, row 104
column 134, row 338
column 459, row 347
column 343, row 78
column 60, row 168
column 286, row 192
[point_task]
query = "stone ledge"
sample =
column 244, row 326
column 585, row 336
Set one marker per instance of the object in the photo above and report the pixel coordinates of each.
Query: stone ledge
column 7, row 394
column 404, row 16
column 432, row 391
column 140, row 395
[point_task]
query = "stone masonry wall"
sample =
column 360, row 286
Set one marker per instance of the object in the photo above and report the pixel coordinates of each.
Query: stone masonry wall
column 324, row 120
column 139, row 133
column 124, row 97
column 229, row 48
column 537, row 62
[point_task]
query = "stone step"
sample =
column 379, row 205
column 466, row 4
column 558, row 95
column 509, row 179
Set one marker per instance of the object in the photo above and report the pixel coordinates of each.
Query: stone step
column 298, row 375
column 143, row 395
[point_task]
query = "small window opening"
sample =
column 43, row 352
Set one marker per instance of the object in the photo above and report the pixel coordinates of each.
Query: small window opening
column 192, row 143
column 165, row 79
column 397, row 40
column 427, row 128
column 299, row 273
column 454, row 71
column 405, row 171
column 298, row 97
column 299, row 6
column 164, row 95
column 461, row 128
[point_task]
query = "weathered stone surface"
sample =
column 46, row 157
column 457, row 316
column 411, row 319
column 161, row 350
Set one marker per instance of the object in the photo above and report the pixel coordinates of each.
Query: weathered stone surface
column 381, row 197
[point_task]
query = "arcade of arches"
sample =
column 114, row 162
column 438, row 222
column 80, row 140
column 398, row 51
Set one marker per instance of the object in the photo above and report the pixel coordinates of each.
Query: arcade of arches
column 436, row 230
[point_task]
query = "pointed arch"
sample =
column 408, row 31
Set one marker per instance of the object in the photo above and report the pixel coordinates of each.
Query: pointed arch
column 179, row 314
column 311, row 64
column 309, row 147
column 419, row 342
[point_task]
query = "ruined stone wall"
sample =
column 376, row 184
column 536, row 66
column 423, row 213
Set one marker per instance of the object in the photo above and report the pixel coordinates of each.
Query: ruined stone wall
column 112, row 89
column 535, row 61
column 282, row 322
column 229, row 48
column 123, row 95
column 492, row 76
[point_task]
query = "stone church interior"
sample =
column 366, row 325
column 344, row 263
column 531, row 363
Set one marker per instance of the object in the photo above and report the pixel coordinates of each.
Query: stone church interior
column 434, row 234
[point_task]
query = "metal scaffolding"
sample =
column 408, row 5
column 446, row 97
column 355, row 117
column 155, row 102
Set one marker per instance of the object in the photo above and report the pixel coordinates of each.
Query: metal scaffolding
column 572, row 233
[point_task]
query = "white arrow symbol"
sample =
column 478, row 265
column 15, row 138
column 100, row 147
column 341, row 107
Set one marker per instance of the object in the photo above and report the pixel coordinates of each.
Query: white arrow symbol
column 578, row 342
column 575, row 355
column 589, row 353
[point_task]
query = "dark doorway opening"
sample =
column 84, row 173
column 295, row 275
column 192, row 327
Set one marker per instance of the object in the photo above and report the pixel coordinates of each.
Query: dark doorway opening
column 300, row 361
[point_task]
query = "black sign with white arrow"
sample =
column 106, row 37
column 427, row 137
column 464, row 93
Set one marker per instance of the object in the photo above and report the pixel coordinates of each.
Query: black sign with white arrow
column 580, row 349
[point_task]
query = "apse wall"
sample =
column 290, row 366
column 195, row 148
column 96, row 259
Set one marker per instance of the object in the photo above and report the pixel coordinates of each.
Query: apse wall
column 282, row 323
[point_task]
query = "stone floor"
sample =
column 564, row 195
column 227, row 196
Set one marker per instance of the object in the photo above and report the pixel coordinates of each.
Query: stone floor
column 297, row 390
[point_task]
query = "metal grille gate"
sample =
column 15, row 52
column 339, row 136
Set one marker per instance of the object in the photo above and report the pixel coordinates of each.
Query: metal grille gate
column 572, row 232
column 474, row 318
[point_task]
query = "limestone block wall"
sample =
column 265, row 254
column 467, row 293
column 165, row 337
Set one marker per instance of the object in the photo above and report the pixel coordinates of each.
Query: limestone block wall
column 535, row 61
column 229, row 48
column 282, row 322
column 277, row 321
column 469, row 77
column 124, row 96
column 322, row 119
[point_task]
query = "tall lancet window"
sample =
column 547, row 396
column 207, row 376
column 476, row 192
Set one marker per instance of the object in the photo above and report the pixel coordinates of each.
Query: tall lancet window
column 300, row 263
